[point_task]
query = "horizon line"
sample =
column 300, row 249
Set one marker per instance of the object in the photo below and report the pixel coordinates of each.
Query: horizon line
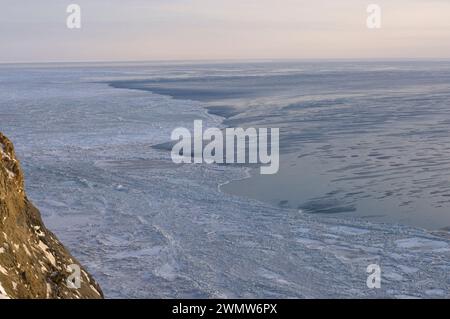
column 374, row 59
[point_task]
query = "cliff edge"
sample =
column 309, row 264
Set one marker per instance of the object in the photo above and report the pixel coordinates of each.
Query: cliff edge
column 33, row 262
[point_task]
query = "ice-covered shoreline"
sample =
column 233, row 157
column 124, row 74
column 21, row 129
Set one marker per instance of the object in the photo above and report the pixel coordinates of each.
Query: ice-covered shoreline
column 146, row 228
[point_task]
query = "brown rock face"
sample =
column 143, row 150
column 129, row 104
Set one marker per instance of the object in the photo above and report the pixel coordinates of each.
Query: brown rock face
column 33, row 263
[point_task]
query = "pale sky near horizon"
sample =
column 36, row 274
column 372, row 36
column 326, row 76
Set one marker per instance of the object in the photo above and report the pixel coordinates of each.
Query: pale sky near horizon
column 114, row 30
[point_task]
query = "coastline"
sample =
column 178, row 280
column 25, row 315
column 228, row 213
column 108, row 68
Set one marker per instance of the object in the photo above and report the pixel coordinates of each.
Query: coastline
column 170, row 226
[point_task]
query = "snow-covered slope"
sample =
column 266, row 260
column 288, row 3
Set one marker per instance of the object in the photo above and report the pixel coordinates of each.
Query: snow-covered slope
column 33, row 263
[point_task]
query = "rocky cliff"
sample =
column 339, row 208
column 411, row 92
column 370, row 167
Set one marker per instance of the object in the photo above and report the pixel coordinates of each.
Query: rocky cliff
column 33, row 263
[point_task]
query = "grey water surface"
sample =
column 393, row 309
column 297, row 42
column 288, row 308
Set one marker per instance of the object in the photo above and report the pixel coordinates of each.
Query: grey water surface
column 358, row 139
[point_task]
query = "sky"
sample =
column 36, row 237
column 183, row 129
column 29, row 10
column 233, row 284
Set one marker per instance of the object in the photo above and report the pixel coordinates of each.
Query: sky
column 134, row 30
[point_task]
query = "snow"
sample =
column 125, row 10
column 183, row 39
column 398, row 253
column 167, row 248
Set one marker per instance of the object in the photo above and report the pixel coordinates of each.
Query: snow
column 3, row 154
column 48, row 290
column 11, row 175
column 3, row 270
column 3, row 294
column 422, row 244
column 47, row 253
column 94, row 289
column 435, row 293
column 349, row 230
column 26, row 250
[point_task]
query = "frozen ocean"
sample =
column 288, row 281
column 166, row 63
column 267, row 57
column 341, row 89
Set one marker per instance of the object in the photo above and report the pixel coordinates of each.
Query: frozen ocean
column 364, row 175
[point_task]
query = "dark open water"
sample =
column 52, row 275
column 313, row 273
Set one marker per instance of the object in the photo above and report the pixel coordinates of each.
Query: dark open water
column 360, row 139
